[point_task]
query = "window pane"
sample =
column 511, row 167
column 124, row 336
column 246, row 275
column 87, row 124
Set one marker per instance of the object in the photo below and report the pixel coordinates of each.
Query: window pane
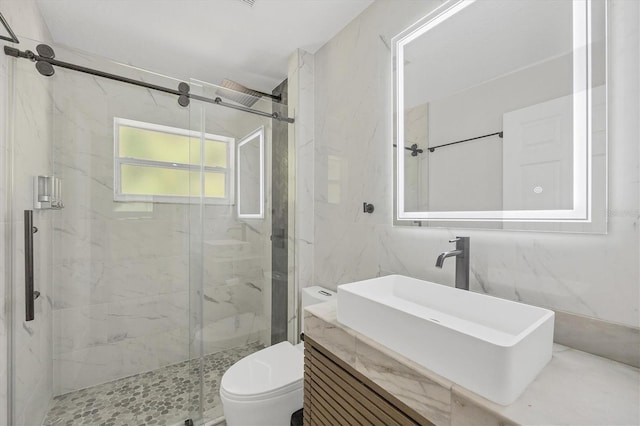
column 144, row 180
column 155, row 145
column 158, row 146
column 215, row 154
column 214, row 185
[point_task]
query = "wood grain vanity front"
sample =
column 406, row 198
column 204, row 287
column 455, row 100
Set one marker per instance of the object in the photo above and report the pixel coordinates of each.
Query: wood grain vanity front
column 336, row 394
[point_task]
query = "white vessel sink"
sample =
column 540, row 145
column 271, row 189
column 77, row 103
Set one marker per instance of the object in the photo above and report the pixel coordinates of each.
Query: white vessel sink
column 491, row 346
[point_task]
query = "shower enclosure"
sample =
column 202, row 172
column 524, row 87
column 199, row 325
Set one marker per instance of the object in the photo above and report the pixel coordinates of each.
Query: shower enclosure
column 155, row 265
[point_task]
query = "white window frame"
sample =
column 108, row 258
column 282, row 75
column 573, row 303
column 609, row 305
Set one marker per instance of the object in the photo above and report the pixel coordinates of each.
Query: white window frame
column 176, row 199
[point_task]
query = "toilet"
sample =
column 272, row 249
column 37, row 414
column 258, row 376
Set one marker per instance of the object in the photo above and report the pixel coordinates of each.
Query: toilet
column 265, row 388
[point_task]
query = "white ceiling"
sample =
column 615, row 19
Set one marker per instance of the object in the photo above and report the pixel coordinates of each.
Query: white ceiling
column 204, row 39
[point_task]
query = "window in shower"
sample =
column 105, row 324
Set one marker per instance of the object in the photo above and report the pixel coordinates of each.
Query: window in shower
column 156, row 163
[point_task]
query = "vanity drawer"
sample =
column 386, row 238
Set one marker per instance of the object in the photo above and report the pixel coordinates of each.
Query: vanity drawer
column 336, row 394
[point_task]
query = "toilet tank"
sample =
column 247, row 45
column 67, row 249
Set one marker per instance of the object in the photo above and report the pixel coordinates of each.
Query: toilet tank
column 311, row 296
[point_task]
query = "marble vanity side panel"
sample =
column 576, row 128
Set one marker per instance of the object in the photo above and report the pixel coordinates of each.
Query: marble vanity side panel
column 614, row 341
column 410, row 385
column 333, row 337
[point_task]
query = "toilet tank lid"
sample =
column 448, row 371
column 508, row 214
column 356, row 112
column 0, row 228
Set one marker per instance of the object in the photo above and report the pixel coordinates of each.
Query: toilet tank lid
column 317, row 294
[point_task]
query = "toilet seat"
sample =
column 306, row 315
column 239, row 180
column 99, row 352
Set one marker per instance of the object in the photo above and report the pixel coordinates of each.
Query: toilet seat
column 265, row 374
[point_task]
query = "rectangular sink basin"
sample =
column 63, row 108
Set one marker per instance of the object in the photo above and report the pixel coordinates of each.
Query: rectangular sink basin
column 491, row 346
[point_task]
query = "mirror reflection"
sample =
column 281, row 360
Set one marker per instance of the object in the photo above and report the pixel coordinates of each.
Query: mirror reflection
column 507, row 128
column 251, row 175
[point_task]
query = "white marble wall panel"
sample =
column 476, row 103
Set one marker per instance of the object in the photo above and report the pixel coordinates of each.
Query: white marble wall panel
column 301, row 106
column 592, row 275
column 80, row 328
column 104, row 363
column 234, row 300
column 232, row 331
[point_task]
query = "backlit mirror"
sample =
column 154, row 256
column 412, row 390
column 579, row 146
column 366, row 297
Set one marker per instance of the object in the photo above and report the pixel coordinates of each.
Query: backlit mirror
column 501, row 116
column 251, row 175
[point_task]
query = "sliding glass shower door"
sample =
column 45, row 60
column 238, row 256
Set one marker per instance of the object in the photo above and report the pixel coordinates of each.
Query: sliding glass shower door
column 110, row 340
column 148, row 230
column 235, row 297
column 29, row 151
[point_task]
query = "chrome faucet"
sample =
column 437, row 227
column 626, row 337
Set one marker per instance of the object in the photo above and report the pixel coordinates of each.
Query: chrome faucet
column 461, row 254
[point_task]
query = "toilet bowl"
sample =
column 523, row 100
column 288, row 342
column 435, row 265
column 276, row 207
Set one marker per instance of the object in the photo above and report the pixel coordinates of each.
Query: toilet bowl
column 266, row 387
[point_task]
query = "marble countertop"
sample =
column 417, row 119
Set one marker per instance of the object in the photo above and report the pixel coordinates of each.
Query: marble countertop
column 575, row 388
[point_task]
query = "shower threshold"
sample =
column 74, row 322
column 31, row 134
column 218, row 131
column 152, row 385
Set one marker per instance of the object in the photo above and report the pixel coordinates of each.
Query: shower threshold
column 159, row 397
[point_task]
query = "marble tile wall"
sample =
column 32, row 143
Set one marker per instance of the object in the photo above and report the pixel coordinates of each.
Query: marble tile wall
column 592, row 275
column 31, row 107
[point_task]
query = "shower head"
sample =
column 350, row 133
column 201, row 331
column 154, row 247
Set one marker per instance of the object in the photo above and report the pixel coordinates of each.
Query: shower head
column 238, row 93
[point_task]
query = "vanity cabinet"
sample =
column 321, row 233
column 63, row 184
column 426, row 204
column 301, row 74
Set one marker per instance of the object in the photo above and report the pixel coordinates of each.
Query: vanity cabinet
column 336, row 394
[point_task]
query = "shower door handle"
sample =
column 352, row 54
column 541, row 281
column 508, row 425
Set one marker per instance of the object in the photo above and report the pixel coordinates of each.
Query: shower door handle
column 30, row 295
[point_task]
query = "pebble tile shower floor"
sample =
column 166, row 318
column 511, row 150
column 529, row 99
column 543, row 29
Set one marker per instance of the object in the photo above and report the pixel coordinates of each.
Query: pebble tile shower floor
column 161, row 397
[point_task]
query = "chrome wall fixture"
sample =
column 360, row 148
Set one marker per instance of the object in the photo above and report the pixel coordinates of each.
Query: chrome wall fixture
column 12, row 36
column 45, row 62
column 413, row 148
column 47, row 193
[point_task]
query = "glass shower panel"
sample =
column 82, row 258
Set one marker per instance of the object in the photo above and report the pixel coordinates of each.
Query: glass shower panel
column 235, row 295
column 30, row 121
column 114, row 264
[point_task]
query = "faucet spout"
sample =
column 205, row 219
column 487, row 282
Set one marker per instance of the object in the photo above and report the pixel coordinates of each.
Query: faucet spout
column 461, row 253
column 444, row 255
